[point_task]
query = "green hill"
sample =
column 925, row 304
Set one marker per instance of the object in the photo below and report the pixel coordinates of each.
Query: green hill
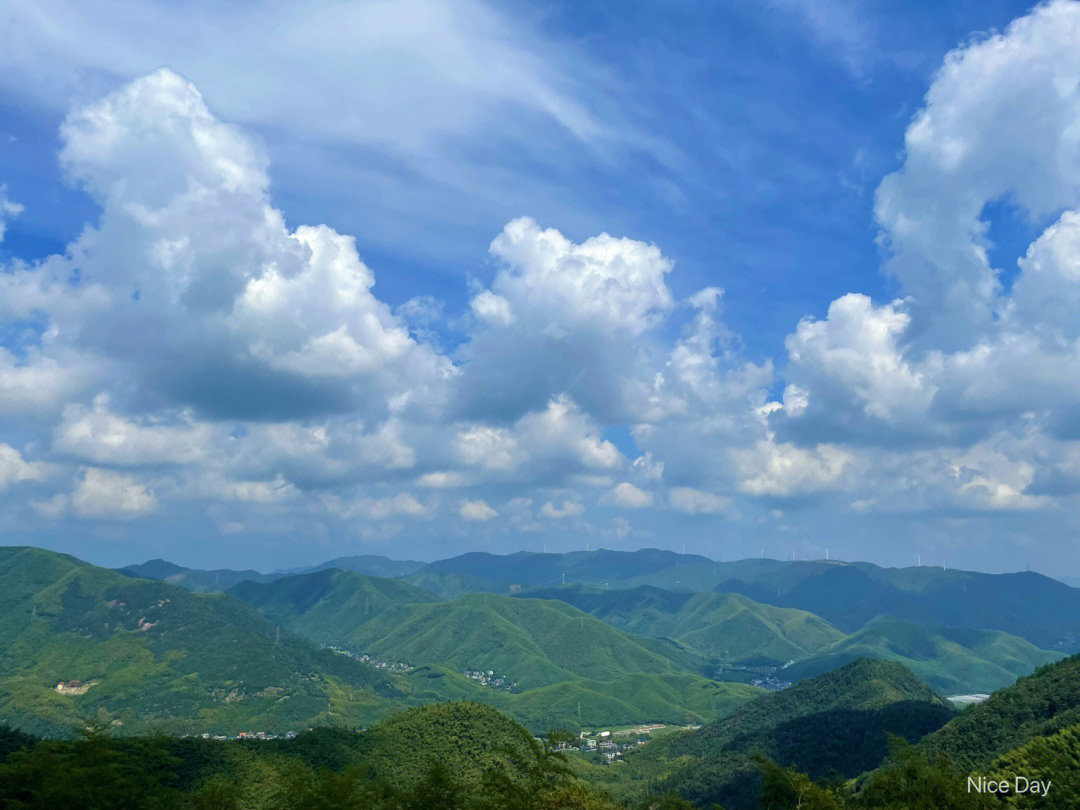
column 1041, row 610
column 558, row 665
column 456, row 756
column 467, row 738
column 951, row 660
column 151, row 656
column 724, row 628
column 193, row 579
column 221, row 579
column 319, row 605
column 1035, row 707
column 838, row 722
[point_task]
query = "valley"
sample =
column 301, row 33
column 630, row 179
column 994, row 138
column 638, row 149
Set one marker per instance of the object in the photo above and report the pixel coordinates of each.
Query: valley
column 715, row 678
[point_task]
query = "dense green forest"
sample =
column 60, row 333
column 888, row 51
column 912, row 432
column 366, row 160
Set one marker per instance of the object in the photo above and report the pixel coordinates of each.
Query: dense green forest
column 446, row 756
column 141, row 656
column 374, row 691
column 836, row 742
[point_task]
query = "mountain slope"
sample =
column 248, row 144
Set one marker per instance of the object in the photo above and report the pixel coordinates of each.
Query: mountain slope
column 836, row 721
column 1037, row 706
column 559, row 666
column 318, row 605
column 151, row 656
column 951, row 660
column 726, row 628
column 1041, row 610
column 193, row 579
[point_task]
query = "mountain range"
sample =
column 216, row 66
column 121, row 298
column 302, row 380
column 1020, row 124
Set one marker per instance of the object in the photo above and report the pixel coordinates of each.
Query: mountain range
column 158, row 646
column 86, row 646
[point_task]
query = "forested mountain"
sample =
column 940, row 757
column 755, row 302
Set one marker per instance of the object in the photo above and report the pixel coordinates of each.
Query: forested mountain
column 1027, row 736
column 727, row 628
column 1036, row 706
column 326, row 605
column 194, row 579
column 456, row 756
column 951, row 660
column 372, row 565
column 138, row 655
column 221, row 579
column 1041, row 610
column 837, row 722
column 555, row 665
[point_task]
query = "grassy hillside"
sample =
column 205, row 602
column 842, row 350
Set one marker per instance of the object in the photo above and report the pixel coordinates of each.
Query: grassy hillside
column 724, row 628
column 154, row 656
column 1035, row 707
column 950, row 660
column 321, row 604
column 1041, row 610
column 567, row 668
column 838, row 722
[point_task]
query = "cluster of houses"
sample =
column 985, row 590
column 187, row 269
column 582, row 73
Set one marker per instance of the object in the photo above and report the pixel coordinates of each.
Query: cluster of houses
column 364, row 658
column 250, row 735
column 612, row 745
column 770, row 682
column 489, row 678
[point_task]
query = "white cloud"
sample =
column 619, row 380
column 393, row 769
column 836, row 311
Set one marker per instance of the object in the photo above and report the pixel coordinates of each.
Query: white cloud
column 193, row 257
column 8, row 208
column 106, row 494
column 783, row 470
column 627, row 495
column 441, row 479
column 101, row 436
column 695, row 502
column 38, row 384
column 476, row 510
column 580, row 313
column 568, row 509
column 851, row 367
column 14, row 468
column 447, row 68
column 487, row 306
column 557, row 285
column 999, row 121
column 488, row 447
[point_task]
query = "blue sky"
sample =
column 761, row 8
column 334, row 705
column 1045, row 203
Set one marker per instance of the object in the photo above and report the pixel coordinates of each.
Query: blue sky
column 529, row 347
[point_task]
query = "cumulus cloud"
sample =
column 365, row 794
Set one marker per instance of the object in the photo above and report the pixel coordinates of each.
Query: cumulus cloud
column 695, row 502
column 568, row 509
column 627, row 495
column 100, row 436
column 999, row 121
column 961, row 357
column 784, row 470
column 577, row 312
column 248, row 316
column 103, row 493
column 402, row 504
column 14, row 468
column 477, row 510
